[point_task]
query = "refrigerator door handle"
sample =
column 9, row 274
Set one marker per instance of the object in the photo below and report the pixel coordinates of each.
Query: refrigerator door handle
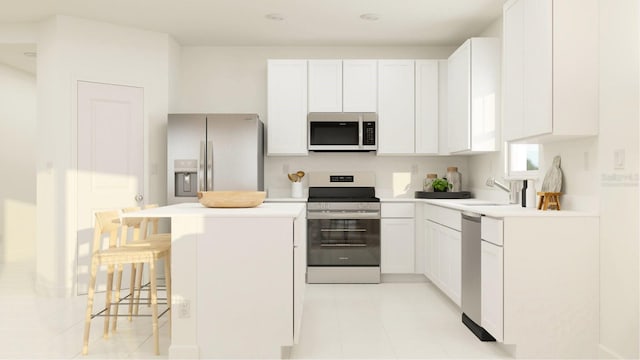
column 201, row 161
column 209, row 166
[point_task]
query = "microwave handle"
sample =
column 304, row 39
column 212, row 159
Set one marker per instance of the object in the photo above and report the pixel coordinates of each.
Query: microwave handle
column 360, row 131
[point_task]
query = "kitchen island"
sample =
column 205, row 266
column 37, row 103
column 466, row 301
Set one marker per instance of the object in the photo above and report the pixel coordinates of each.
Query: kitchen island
column 238, row 278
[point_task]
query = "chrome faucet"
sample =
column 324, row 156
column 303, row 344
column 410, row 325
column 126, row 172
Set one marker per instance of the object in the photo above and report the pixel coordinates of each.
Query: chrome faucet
column 511, row 189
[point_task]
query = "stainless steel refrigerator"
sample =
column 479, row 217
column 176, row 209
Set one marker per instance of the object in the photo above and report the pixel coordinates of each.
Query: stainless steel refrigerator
column 213, row 152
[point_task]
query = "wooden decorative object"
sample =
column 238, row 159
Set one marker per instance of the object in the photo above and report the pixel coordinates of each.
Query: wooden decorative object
column 231, row 199
column 549, row 200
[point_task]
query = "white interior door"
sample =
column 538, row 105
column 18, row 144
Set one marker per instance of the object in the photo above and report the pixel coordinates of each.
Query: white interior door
column 110, row 173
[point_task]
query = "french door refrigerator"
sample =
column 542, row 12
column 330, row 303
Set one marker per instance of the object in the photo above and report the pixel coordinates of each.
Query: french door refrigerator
column 208, row 152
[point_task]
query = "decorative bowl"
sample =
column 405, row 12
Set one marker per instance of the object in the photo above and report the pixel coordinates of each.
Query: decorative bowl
column 231, row 199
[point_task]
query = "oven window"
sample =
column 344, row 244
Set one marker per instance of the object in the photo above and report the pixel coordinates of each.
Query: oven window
column 343, row 242
column 334, row 133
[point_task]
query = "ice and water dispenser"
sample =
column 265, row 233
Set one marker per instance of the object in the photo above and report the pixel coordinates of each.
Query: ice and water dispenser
column 186, row 178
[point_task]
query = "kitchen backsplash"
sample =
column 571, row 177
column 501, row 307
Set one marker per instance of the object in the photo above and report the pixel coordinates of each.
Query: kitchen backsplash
column 396, row 176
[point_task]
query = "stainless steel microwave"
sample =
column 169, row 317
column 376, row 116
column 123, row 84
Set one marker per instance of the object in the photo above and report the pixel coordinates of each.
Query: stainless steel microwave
column 342, row 131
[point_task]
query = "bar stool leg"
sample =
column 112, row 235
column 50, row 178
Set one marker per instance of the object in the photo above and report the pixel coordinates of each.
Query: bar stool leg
column 107, row 313
column 167, row 283
column 87, row 318
column 138, row 286
column 119, row 271
column 132, row 289
column 154, row 305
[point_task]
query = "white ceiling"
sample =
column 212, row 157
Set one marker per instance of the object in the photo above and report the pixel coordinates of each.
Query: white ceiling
column 306, row 22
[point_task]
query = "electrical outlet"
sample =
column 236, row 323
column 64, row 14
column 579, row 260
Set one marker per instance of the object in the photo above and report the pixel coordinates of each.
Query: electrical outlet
column 184, row 309
column 414, row 169
column 618, row 159
column 285, row 168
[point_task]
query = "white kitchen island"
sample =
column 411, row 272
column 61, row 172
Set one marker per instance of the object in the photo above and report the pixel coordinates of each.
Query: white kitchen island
column 238, row 278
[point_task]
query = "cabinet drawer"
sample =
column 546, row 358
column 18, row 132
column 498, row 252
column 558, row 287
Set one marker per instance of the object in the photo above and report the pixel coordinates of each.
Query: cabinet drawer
column 397, row 210
column 491, row 230
column 441, row 215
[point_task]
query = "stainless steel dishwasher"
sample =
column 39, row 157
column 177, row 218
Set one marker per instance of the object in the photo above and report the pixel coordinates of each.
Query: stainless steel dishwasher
column 471, row 290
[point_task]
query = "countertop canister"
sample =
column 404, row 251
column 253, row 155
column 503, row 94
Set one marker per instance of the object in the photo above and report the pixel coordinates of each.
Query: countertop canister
column 428, row 182
column 454, row 178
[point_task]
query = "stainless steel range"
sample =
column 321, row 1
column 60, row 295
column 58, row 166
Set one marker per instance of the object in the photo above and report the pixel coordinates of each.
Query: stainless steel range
column 343, row 229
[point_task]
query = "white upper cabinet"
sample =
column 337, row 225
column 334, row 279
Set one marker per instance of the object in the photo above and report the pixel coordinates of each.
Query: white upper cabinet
column 343, row 85
column 287, row 107
column 427, row 107
column 396, row 107
column 325, row 85
column 551, row 69
column 359, row 85
column 473, row 111
column 443, row 97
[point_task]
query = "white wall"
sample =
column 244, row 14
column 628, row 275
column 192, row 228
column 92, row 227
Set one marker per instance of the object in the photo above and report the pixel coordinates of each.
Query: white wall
column 234, row 79
column 619, row 235
column 72, row 49
column 17, row 161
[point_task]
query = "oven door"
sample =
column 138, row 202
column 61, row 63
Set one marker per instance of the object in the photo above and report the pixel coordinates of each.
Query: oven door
column 343, row 242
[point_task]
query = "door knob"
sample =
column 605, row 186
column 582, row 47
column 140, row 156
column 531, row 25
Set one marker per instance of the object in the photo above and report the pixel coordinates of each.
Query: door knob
column 139, row 197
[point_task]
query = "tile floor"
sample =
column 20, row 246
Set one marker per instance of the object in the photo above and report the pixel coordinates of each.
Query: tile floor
column 385, row 321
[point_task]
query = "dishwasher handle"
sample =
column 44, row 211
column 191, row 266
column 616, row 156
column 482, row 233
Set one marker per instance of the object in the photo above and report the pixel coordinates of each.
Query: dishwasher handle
column 470, row 216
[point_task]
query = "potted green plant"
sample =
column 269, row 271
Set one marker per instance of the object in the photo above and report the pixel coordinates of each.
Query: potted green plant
column 441, row 185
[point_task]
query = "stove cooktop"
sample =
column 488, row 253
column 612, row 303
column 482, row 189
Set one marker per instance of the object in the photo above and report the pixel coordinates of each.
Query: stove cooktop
column 343, row 194
column 343, row 199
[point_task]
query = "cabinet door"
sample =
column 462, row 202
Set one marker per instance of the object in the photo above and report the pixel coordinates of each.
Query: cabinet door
column 513, row 63
column 396, row 98
column 431, row 251
column 538, row 67
column 299, row 273
column 427, row 109
column 360, row 85
column 397, row 242
column 325, row 85
column 485, row 94
column 287, row 107
column 491, row 281
column 450, row 244
column 459, row 103
column 444, row 259
column 443, row 118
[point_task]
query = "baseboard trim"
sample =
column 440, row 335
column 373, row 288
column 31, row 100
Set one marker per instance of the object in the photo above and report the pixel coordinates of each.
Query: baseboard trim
column 606, row 353
column 402, row 278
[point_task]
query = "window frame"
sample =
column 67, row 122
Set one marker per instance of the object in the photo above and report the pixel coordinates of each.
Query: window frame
column 521, row 175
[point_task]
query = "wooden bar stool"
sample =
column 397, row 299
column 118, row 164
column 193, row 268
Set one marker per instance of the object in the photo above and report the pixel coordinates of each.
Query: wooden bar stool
column 114, row 256
column 149, row 235
column 549, row 200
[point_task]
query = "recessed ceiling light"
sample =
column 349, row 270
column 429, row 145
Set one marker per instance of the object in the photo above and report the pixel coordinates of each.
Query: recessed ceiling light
column 275, row 17
column 30, row 54
column 370, row 17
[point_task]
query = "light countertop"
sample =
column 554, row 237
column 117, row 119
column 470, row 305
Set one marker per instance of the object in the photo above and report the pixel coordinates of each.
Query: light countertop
column 494, row 209
column 479, row 206
column 291, row 210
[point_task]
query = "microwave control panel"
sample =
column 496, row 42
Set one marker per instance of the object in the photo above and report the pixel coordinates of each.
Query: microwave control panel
column 369, row 133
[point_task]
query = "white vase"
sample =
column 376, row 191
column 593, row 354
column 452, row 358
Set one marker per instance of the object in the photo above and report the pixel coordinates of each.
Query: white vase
column 296, row 189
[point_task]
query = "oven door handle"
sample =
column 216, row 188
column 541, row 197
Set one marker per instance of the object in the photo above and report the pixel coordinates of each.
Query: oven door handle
column 343, row 245
column 321, row 215
column 343, row 230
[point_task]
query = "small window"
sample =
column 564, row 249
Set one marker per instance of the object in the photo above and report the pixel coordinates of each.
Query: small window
column 523, row 159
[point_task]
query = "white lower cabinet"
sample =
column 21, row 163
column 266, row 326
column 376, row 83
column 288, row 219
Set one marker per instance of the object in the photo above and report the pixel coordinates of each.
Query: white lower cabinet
column 491, row 279
column 444, row 258
column 397, row 239
column 299, row 273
